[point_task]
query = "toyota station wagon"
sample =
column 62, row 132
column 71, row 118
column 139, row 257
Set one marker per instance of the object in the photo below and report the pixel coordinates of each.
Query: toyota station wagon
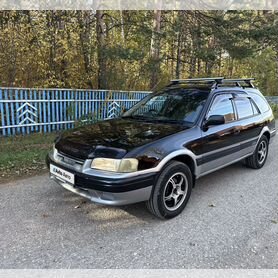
column 156, row 151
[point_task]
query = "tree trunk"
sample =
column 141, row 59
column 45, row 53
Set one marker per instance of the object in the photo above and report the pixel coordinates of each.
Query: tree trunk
column 199, row 66
column 50, row 16
column 102, row 78
column 192, row 65
column 220, row 63
column 84, row 20
column 178, row 65
column 173, row 47
column 122, row 27
column 155, row 49
column 231, row 67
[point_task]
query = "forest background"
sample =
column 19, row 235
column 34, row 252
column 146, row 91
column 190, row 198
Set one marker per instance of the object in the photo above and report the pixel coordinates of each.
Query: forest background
column 136, row 50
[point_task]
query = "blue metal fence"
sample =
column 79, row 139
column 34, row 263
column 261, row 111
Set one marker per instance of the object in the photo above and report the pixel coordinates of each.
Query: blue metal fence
column 25, row 110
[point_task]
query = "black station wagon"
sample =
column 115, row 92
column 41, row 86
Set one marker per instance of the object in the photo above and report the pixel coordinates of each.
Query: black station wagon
column 158, row 149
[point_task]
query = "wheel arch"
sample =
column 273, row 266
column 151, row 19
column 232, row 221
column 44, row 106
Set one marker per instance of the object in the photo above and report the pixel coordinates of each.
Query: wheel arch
column 189, row 161
column 265, row 131
column 267, row 134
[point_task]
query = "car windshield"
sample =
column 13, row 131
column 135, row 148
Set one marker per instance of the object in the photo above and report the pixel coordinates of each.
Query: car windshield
column 172, row 105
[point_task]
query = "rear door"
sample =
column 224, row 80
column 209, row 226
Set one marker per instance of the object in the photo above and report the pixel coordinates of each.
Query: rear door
column 249, row 122
column 221, row 143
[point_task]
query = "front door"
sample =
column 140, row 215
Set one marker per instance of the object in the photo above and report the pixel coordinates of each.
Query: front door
column 221, row 143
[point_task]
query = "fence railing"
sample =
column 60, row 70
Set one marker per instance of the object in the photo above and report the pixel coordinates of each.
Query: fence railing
column 24, row 111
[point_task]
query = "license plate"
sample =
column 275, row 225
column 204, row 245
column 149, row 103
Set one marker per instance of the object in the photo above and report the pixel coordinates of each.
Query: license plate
column 62, row 174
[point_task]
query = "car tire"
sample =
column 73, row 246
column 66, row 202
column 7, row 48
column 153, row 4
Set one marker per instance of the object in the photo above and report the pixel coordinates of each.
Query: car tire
column 259, row 157
column 171, row 191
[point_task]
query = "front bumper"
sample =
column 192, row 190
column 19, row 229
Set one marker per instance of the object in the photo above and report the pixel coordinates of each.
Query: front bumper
column 109, row 198
column 107, row 191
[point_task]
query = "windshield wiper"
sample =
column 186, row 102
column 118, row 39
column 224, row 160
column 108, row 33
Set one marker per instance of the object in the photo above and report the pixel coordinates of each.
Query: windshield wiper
column 153, row 119
column 140, row 117
column 168, row 121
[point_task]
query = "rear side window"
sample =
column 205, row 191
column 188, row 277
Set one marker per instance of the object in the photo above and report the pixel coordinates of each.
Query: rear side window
column 244, row 108
column 222, row 105
column 260, row 102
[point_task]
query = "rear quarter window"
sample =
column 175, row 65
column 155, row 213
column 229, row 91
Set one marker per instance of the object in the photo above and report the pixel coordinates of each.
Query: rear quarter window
column 244, row 108
column 260, row 102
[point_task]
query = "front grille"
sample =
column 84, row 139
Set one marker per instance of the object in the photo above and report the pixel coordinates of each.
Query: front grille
column 68, row 157
column 69, row 161
column 73, row 150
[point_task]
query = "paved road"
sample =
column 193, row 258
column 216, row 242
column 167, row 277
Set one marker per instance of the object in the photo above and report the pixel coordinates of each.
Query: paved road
column 231, row 221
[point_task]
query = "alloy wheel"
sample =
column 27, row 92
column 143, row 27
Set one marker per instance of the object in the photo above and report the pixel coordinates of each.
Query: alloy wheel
column 262, row 152
column 175, row 191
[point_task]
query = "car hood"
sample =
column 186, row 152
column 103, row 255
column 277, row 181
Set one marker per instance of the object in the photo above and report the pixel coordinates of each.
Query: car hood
column 112, row 138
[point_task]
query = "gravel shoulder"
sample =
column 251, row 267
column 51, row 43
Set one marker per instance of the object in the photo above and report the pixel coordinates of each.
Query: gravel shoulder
column 231, row 221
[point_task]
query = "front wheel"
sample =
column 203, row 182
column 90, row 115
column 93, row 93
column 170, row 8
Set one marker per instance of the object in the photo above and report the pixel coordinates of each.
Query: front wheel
column 172, row 191
column 258, row 159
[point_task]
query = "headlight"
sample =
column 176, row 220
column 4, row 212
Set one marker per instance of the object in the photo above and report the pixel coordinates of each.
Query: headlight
column 55, row 152
column 125, row 165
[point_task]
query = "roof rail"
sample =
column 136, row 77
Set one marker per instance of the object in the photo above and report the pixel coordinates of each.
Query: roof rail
column 248, row 81
column 239, row 79
column 210, row 79
column 216, row 81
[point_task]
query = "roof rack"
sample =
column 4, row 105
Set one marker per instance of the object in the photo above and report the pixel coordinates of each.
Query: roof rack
column 248, row 81
column 192, row 80
column 215, row 81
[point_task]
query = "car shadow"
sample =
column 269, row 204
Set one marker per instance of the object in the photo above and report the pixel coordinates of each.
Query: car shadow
column 137, row 214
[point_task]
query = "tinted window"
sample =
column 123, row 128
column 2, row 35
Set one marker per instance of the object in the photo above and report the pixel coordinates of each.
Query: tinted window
column 222, row 105
column 261, row 102
column 244, row 108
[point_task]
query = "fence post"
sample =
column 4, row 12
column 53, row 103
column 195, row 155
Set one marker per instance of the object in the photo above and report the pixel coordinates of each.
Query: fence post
column 2, row 113
column 7, row 111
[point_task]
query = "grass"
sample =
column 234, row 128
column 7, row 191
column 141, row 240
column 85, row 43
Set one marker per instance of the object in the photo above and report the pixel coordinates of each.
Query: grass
column 22, row 156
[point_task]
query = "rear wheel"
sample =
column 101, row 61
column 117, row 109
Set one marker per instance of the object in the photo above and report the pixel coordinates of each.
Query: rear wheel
column 258, row 159
column 172, row 191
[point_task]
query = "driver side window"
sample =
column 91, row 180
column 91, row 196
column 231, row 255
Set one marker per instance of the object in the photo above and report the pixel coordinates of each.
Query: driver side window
column 222, row 105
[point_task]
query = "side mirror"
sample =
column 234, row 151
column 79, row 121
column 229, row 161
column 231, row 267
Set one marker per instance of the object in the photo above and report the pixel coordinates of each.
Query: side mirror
column 214, row 120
